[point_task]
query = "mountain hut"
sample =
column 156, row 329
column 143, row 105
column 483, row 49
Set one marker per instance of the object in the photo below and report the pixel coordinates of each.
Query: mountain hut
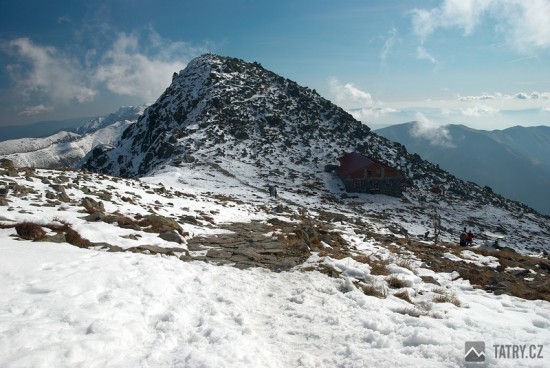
column 362, row 174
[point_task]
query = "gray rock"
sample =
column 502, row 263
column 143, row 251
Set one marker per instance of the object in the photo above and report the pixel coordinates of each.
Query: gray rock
column 544, row 266
column 147, row 248
column 430, row 280
column 92, row 205
column 56, row 238
column 58, row 188
column 95, row 217
column 218, row 253
column 171, row 236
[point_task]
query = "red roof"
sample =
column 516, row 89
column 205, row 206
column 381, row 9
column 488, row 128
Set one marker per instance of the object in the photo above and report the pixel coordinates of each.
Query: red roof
column 352, row 162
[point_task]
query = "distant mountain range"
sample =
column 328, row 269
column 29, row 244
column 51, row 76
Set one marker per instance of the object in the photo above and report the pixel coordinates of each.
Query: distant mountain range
column 66, row 149
column 514, row 162
column 41, row 128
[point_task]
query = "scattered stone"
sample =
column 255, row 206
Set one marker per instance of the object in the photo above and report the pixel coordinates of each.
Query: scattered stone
column 56, row 238
column 107, row 246
column 160, row 224
column 521, row 273
column 430, row 280
column 95, row 217
column 218, row 253
column 188, row 219
column 274, row 221
column 58, row 188
column 92, row 205
column 171, row 236
column 131, row 236
column 544, row 266
column 147, row 248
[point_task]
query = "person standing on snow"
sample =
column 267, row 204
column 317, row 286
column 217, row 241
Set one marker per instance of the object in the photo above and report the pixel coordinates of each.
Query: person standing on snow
column 463, row 238
column 469, row 238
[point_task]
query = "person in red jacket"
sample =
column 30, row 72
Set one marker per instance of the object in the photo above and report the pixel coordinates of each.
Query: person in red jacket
column 470, row 238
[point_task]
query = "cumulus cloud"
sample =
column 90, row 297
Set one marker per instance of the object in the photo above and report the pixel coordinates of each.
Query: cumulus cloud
column 479, row 111
column 132, row 66
column 501, row 96
column 371, row 113
column 349, row 96
column 463, row 14
column 126, row 70
column 437, row 135
column 525, row 25
column 36, row 110
column 48, row 73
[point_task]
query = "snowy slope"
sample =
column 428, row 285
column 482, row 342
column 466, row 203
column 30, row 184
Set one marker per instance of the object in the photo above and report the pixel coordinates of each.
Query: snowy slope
column 64, row 306
column 238, row 120
column 24, row 145
column 67, row 149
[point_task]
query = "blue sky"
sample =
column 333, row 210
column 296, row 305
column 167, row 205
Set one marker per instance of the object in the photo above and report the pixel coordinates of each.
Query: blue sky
column 482, row 63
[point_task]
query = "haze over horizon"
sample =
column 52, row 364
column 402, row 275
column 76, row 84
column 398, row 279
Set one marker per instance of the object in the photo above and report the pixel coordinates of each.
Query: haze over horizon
column 478, row 63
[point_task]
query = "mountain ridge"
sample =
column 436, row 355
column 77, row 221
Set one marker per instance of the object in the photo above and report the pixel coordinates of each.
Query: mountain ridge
column 67, row 149
column 236, row 120
column 486, row 157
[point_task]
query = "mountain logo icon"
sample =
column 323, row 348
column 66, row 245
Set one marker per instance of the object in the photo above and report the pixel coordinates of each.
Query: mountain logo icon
column 474, row 351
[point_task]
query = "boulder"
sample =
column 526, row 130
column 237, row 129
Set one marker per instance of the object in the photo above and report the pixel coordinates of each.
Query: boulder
column 160, row 224
column 95, row 217
column 92, row 205
column 171, row 236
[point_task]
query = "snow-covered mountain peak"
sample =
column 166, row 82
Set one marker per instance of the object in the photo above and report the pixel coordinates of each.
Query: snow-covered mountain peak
column 231, row 118
column 124, row 113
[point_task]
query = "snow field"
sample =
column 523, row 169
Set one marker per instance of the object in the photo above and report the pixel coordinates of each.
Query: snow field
column 67, row 307
column 61, row 306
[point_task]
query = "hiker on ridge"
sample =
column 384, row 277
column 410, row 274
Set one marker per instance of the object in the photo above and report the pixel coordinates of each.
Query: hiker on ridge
column 463, row 238
column 469, row 238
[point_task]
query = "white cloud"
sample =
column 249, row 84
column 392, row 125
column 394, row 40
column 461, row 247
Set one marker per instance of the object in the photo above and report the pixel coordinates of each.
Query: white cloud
column 479, row 111
column 437, row 135
column 390, row 42
column 463, row 14
column 50, row 74
column 349, row 96
column 475, row 98
column 423, row 54
column 525, row 25
column 366, row 114
column 500, row 96
column 132, row 66
column 36, row 110
column 127, row 70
